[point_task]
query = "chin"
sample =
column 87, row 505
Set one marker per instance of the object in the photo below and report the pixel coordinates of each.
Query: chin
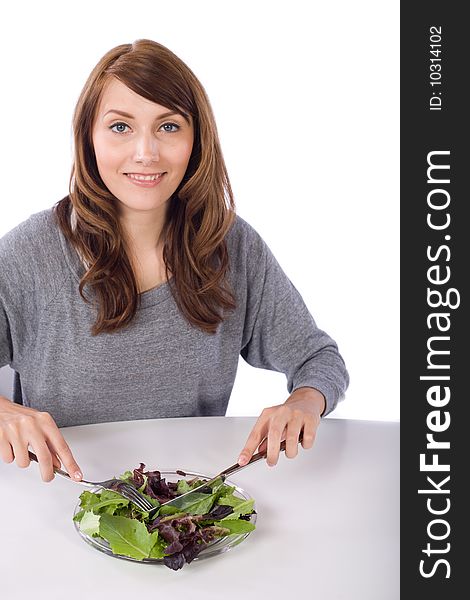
column 142, row 205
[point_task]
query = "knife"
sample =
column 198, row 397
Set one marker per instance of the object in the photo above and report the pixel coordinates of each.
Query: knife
column 224, row 474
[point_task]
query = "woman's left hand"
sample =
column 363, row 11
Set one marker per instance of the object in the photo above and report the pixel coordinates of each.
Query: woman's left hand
column 301, row 410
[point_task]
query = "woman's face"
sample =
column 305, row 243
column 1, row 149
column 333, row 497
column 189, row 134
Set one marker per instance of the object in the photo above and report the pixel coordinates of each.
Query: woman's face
column 149, row 140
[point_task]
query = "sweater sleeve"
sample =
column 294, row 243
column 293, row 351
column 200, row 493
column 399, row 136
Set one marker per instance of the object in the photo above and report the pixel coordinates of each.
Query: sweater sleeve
column 6, row 349
column 281, row 335
column 5, row 338
column 28, row 267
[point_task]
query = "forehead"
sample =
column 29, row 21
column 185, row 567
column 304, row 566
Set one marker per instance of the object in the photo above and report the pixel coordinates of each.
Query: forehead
column 117, row 95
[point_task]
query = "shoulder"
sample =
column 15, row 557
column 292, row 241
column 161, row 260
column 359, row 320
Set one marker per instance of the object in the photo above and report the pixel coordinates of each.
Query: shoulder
column 31, row 250
column 243, row 237
column 36, row 230
column 249, row 255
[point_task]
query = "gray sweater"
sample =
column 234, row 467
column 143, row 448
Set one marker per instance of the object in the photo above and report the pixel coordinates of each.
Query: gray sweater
column 159, row 366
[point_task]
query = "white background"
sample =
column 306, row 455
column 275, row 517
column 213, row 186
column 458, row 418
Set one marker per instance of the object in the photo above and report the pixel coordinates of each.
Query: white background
column 306, row 98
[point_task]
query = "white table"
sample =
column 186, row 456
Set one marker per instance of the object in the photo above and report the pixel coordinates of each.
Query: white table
column 327, row 525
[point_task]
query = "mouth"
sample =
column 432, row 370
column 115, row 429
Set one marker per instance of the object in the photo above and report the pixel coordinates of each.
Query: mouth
column 145, row 176
column 144, row 180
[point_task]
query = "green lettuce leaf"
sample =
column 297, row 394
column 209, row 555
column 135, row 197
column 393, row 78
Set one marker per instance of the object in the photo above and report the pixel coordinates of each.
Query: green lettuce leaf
column 168, row 510
column 183, row 486
column 128, row 537
column 90, row 524
column 237, row 526
column 230, row 500
column 159, row 545
column 245, row 507
column 106, row 501
column 87, row 501
column 196, row 504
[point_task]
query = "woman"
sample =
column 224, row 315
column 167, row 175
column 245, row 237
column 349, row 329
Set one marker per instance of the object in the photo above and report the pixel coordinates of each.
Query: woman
column 135, row 295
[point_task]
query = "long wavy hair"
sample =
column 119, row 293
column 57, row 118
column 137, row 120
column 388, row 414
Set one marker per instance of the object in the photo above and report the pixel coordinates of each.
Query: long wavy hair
column 200, row 212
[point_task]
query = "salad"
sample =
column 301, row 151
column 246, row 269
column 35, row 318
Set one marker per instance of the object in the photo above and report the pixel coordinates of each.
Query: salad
column 174, row 534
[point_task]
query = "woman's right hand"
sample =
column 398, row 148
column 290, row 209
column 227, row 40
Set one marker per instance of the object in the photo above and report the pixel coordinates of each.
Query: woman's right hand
column 21, row 427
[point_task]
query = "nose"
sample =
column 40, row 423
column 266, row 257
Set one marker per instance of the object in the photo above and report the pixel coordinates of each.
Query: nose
column 146, row 149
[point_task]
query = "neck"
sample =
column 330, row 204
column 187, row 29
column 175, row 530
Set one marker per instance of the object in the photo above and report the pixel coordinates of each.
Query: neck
column 142, row 230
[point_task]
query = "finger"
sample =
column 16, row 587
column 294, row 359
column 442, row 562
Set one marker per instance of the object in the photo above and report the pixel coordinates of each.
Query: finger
column 63, row 452
column 292, row 441
column 310, row 431
column 20, row 452
column 6, row 452
column 275, row 435
column 263, row 446
column 41, row 449
column 292, row 436
column 59, row 447
column 55, row 459
column 256, row 436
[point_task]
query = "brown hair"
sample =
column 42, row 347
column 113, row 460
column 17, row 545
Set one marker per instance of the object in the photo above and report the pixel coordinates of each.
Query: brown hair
column 200, row 213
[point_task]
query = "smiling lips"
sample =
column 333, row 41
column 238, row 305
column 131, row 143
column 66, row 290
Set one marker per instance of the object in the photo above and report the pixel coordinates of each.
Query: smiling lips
column 142, row 177
column 145, row 180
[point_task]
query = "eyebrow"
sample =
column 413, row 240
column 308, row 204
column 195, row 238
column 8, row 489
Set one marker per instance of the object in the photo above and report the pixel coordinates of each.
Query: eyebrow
column 129, row 116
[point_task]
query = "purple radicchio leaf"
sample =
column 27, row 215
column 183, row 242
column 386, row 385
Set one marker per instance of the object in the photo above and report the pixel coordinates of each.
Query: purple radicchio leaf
column 175, row 561
column 218, row 513
column 192, row 549
column 138, row 477
column 168, row 533
column 174, row 547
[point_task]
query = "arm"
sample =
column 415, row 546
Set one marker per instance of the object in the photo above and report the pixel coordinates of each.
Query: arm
column 281, row 335
column 21, row 426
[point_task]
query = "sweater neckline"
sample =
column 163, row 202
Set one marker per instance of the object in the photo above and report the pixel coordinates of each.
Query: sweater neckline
column 148, row 298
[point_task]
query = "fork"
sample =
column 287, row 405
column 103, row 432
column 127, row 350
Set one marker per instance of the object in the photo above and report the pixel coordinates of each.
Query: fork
column 128, row 491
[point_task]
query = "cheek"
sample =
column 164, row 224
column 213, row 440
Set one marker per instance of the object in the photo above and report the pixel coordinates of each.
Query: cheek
column 107, row 155
column 183, row 154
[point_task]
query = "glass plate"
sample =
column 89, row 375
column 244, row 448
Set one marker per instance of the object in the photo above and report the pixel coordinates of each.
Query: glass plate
column 218, row 546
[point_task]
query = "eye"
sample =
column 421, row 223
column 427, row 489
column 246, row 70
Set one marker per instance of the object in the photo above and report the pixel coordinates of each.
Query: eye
column 118, row 125
column 165, row 125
